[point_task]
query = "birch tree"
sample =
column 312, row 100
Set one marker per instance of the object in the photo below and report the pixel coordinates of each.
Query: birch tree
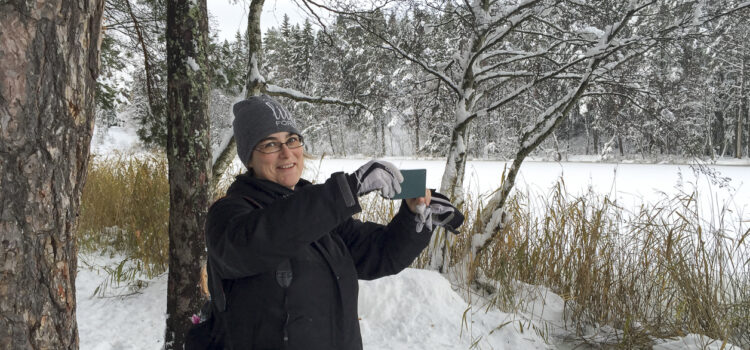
column 633, row 30
column 537, row 58
column 49, row 62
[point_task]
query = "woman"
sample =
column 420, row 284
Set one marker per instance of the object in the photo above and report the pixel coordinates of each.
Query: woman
column 284, row 255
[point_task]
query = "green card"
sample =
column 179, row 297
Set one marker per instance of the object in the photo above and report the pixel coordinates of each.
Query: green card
column 414, row 185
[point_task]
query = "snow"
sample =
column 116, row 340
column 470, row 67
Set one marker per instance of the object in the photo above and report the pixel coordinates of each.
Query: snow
column 698, row 13
column 300, row 96
column 394, row 121
column 121, row 138
column 691, row 341
column 598, row 33
column 419, row 309
column 496, row 220
column 193, row 64
column 254, row 73
column 118, row 322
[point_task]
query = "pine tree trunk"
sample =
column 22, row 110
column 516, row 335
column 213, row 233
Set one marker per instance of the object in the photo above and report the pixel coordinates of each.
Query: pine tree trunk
column 189, row 155
column 742, row 115
column 382, row 139
column 49, row 61
column 711, row 137
column 330, row 138
column 341, row 133
column 596, row 141
column 417, row 120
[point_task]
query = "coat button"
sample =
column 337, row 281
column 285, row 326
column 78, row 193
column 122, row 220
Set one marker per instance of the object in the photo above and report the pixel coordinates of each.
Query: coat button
column 338, row 277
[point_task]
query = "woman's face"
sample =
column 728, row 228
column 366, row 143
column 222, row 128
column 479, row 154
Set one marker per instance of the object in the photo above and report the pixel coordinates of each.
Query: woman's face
column 283, row 167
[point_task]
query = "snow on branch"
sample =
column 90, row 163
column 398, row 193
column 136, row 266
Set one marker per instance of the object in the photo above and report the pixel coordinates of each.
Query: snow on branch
column 514, row 94
column 302, row 97
column 533, row 136
column 492, row 218
column 495, row 37
column 511, row 13
column 346, row 12
column 394, row 47
column 703, row 18
column 484, row 75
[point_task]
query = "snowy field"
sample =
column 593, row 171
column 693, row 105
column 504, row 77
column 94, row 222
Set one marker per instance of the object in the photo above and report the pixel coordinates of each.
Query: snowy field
column 632, row 184
column 421, row 309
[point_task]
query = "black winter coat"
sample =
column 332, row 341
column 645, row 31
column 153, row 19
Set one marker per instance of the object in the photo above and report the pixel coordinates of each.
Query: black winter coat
column 329, row 251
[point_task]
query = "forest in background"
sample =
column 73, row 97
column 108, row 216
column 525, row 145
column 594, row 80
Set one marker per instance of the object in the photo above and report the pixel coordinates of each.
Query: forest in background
column 685, row 97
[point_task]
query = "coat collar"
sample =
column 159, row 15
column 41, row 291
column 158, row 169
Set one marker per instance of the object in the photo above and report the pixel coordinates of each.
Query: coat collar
column 263, row 191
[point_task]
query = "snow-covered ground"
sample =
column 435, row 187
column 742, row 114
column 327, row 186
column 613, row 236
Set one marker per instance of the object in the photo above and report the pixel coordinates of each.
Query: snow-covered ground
column 414, row 310
column 420, row 309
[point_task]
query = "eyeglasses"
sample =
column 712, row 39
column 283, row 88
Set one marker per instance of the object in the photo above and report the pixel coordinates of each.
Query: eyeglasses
column 275, row 146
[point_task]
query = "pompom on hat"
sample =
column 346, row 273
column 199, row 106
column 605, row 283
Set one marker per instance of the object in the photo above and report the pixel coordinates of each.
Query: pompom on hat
column 255, row 119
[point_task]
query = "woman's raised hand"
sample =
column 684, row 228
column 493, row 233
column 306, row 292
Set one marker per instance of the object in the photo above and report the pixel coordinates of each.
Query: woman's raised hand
column 376, row 175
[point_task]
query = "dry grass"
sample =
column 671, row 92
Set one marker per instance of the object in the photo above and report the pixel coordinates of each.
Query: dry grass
column 660, row 271
column 125, row 213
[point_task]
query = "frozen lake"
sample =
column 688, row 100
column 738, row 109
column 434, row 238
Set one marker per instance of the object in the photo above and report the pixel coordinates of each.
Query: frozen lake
column 631, row 184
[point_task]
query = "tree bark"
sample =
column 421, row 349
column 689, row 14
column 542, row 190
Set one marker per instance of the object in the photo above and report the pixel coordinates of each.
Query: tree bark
column 219, row 168
column 382, row 139
column 417, row 121
column 189, row 156
column 742, row 115
column 452, row 186
column 49, row 62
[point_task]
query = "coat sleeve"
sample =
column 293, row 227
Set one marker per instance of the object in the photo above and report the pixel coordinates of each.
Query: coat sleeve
column 243, row 241
column 383, row 250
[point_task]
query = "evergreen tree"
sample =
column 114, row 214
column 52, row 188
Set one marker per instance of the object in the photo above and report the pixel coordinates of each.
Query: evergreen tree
column 50, row 49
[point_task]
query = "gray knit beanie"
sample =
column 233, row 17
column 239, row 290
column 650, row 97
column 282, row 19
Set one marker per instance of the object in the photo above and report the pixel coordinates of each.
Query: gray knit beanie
column 255, row 119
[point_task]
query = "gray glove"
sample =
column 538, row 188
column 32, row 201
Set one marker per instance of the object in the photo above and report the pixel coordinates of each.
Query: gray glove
column 376, row 175
column 423, row 217
column 440, row 212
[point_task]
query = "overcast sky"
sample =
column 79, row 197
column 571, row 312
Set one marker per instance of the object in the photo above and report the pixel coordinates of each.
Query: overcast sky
column 229, row 18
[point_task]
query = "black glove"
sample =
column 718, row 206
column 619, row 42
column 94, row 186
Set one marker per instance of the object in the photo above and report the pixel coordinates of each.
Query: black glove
column 376, row 175
column 441, row 213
